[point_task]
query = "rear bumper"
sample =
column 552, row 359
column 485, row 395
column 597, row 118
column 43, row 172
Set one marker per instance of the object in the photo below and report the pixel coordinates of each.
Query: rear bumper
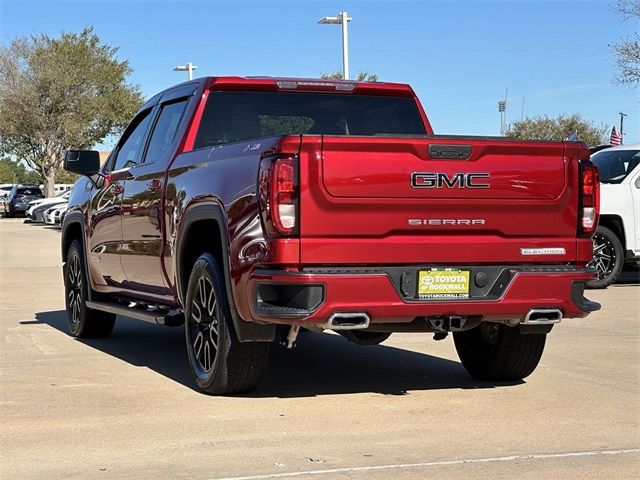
column 19, row 208
column 312, row 297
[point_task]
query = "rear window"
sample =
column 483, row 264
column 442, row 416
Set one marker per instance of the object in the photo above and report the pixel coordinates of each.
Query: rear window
column 28, row 191
column 236, row 116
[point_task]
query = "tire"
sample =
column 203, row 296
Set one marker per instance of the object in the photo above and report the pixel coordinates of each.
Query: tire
column 608, row 258
column 9, row 213
column 492, row 351
column 221, row 364
column 83, row 322
column 361, row 337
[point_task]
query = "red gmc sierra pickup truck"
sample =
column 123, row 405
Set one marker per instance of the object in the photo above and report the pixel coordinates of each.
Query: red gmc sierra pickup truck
column 247, row 208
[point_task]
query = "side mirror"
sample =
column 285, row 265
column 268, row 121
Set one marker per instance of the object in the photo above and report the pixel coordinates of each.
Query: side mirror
column 84, row 162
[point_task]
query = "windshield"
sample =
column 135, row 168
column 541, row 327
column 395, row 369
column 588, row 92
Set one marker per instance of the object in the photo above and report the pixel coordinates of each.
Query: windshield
column 615, row 165
column 234, row 116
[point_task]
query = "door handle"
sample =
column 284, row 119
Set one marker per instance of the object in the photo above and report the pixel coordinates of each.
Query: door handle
column 116, row 189
column 154, row 185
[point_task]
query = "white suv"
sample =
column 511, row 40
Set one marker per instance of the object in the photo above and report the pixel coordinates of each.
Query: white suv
column 617, row 240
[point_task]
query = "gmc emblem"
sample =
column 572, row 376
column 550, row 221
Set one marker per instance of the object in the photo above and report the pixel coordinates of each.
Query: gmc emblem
column 442, row 180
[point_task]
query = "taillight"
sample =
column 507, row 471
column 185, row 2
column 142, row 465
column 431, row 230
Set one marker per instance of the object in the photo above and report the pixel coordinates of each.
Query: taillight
column 278, row 185
column 589, row 198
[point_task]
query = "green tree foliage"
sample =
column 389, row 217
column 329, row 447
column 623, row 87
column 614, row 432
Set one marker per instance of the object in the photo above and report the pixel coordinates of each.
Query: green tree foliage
column 627, row 50
column 362, row 76
column 61, row 93
column 559, row 128
column 14, row 172
column 62, row 176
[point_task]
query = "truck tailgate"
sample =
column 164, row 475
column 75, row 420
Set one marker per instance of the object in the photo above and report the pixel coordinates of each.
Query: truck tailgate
column 392, row 200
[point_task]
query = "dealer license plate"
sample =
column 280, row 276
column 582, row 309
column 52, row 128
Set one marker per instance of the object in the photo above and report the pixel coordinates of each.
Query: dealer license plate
column 443, row 283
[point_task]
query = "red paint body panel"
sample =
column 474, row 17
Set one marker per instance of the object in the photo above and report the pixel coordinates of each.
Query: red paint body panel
column 375, row 168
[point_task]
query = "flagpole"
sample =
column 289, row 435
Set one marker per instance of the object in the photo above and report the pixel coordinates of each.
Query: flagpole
column 622, row 115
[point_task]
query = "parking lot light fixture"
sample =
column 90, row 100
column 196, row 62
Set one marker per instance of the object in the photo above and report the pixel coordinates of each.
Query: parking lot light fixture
column 189, row 67
column 341, row 19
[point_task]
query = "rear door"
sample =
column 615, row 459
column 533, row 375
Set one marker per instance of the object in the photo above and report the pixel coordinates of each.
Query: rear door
column 436, row 200
column 142, row 235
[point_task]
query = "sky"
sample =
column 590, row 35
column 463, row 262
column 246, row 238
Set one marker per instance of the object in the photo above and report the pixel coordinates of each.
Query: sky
column 459, row 56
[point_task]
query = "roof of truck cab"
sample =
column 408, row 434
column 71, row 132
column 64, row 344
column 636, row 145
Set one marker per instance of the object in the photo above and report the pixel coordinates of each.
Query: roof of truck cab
column 308, row 84
column 631, row 146
column 230, row 83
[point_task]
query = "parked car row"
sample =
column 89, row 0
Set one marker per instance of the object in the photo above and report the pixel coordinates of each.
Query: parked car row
column 17, row 200
column 28, row 200
column 40, row 210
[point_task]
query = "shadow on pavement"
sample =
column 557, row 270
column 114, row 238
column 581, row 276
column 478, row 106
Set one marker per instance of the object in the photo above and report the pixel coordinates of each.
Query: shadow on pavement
column 629, row 277
column 322, row 364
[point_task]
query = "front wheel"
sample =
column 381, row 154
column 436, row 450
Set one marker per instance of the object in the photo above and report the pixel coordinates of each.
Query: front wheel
column 493, row 351
column 607, row 258
column 83, row 322
column 221, row 364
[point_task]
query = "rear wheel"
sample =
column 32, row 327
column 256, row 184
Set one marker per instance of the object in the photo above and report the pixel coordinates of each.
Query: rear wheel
column 83, row 322
column 221, row 364
column 608, row 258
column 360, row 337
column 492, row 351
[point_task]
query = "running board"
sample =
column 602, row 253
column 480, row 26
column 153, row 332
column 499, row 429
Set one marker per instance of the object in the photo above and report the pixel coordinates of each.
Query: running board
column 136, row 313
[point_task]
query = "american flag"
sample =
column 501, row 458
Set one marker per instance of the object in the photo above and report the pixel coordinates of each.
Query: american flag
column 616, row 139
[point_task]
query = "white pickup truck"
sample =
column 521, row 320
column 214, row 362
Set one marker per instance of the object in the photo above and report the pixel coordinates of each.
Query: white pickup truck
column 617, row 240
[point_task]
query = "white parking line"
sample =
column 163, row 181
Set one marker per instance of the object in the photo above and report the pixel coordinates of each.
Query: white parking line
column 432, row 464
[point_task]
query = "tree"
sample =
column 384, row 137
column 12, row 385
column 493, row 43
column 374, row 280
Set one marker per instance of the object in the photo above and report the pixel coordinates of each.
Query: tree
column 62, row 176
column 14, row 172
column 627, row 50
column 362, row 76
column 558, row 128
column 61, row 93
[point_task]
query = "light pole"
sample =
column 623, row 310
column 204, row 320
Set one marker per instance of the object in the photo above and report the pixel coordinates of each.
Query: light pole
column 622, row 115
column 502, row 108
column 189, row 67
column 341, row 19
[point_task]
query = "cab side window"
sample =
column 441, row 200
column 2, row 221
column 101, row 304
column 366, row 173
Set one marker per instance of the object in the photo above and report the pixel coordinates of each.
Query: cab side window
column 132, row 143
column 164, row 132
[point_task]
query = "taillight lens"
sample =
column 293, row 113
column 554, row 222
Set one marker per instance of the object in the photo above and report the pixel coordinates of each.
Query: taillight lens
column 278, row 185
column 589, row 198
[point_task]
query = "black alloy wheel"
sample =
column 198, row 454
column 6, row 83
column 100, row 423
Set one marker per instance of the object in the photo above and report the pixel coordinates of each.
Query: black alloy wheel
column 203, row 325
column 221, row 364
column 83, row 321
column 75, row 297
column 607, row 258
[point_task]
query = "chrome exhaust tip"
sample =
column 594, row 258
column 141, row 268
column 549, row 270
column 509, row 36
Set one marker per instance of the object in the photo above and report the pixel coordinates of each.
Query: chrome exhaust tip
column 347, row 321
column 542, row 316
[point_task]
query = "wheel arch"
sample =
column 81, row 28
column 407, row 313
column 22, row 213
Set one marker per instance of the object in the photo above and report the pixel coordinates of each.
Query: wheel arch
column 616, row 225
column 73, row 228
column 203, row 228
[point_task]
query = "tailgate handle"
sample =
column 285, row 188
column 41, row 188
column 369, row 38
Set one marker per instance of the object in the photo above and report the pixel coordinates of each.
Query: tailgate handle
column 449, row 152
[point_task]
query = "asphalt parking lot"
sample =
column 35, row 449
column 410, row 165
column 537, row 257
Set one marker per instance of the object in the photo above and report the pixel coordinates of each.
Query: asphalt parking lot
column 126, row 407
